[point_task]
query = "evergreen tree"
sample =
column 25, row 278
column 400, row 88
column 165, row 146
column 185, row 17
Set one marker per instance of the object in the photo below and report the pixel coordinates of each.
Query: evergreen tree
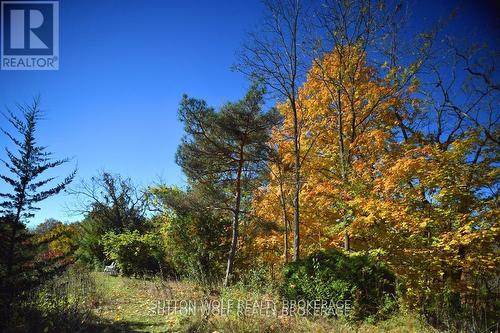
column 223, row 153
column 25, row 168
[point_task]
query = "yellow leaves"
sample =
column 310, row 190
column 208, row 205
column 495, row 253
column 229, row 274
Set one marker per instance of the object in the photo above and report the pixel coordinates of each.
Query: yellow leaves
column 423, row 224
column 415, row 84
column 415, row 199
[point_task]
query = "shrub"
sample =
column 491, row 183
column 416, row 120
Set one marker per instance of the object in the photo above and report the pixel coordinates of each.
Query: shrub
column 259, row 279
column 195, row 238
column 335, row 276
column 90, row 251
column 61, row 304
column 134, row 254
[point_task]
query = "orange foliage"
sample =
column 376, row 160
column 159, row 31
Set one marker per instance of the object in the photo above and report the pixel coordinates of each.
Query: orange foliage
column 424, row 207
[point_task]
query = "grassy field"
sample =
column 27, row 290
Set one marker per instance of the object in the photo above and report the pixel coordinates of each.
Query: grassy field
column 126, row 307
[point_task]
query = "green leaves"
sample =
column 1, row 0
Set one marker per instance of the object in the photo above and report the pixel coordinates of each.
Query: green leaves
column 334, row 276
column 135, row 254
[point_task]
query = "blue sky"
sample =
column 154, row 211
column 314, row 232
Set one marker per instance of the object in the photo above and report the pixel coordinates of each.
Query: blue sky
column 124, row 66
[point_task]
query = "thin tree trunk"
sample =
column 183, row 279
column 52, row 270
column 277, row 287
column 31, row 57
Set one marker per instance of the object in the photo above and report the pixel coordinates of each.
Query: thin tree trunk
column 296, row 200
column 236, row 220
column 342, row 155
column 340, row 124
column 285, row 250
column 285, row 223
column 347, row 242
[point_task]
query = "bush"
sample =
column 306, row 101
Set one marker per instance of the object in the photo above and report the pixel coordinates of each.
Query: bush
column 335, row 276
column 259, row 279
column 61, row 304
column 134, row 254
column 195, row 246
column 196, row 238
column 474, row 311
column 90, row 251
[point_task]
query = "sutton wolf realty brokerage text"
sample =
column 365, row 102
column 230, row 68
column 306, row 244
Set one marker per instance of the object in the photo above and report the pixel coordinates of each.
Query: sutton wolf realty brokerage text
column 247, row 307
column 30, row 35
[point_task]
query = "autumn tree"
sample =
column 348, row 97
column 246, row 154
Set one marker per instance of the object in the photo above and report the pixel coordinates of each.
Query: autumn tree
column 222, row 153
column 447, row 180
column 358, row 34
column 402, row 157
column 336, row 131
column 58, row 240
column 279, row 180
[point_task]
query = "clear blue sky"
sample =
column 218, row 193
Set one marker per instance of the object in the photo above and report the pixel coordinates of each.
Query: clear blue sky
column 124, row 67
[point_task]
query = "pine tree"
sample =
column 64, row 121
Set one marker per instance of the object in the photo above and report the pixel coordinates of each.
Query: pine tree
column 223, row 153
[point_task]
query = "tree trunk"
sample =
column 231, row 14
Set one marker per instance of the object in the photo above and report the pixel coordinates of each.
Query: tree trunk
column 296, row 200
column 236, row 220
column 285, row 250
column 347, row 242
column 340, row 132
column 232, row 251
column 342, row 157
column 285, row 223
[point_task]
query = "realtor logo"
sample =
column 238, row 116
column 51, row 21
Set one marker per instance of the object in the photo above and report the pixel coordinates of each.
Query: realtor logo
column 30, row 35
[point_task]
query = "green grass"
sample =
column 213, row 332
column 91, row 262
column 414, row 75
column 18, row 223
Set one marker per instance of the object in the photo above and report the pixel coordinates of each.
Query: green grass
column 127, row 302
